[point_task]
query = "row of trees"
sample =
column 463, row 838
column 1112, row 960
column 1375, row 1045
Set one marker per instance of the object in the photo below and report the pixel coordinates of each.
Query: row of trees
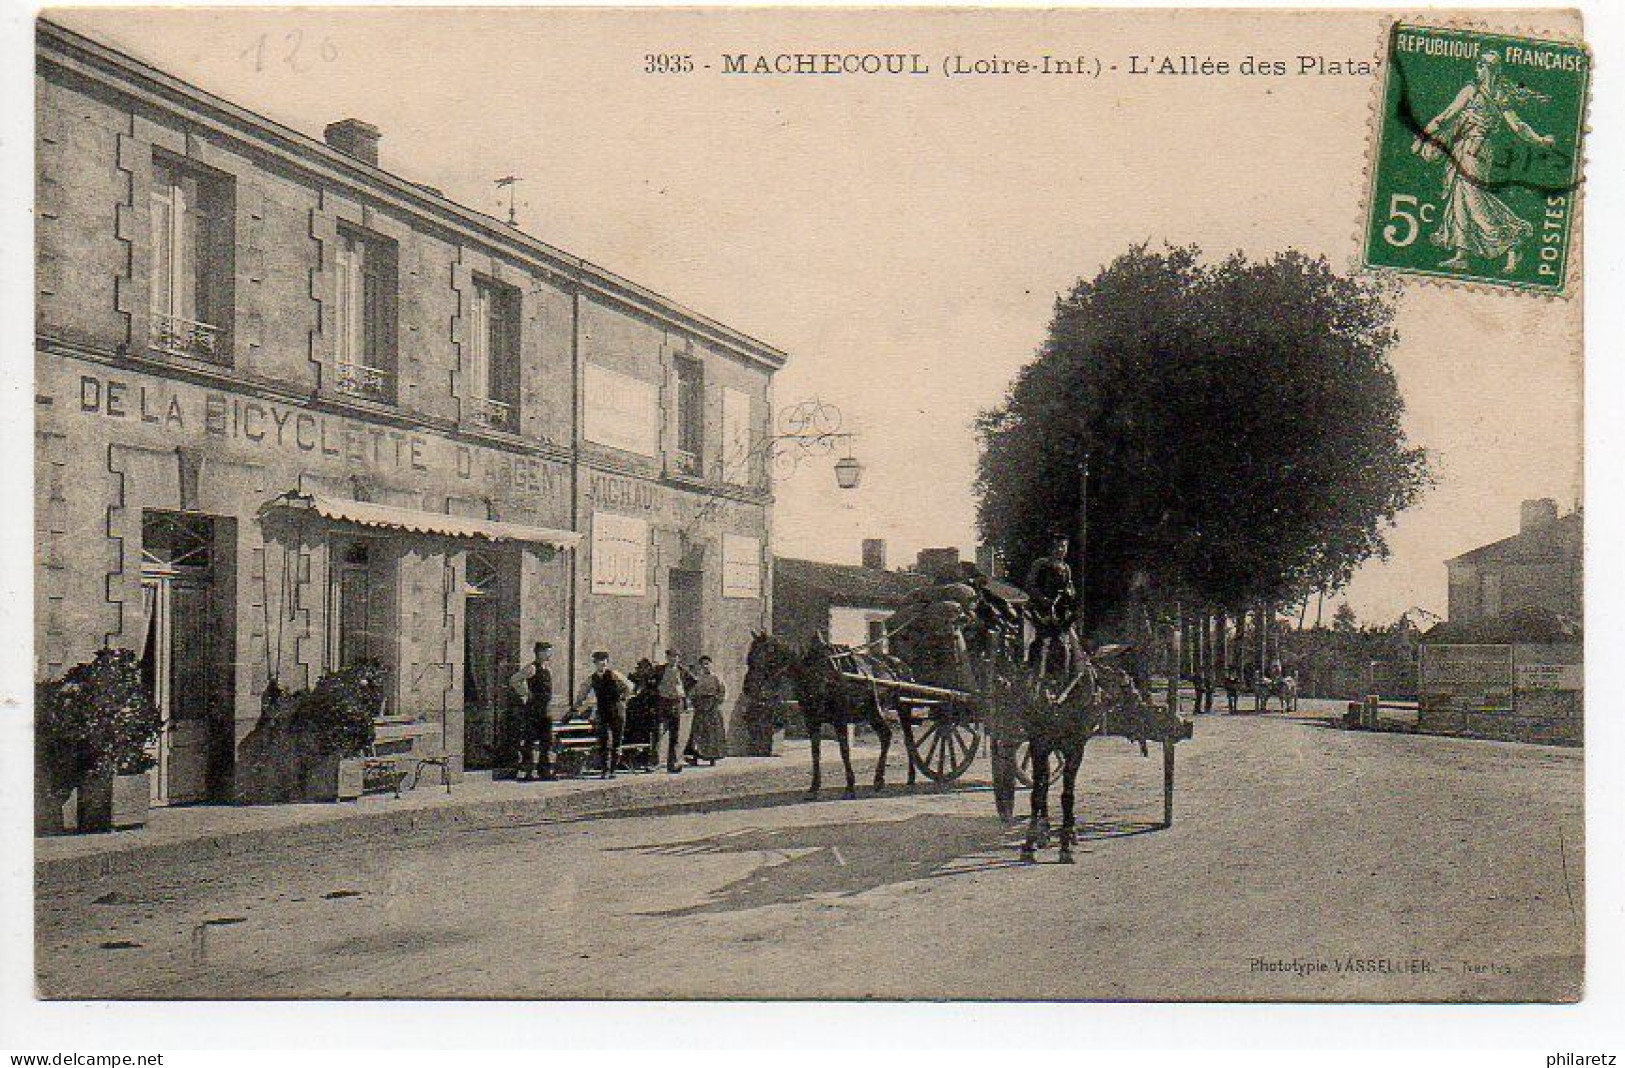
column 1240, row 427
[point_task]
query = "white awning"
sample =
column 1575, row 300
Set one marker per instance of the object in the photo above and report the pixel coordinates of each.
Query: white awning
column 369, row 514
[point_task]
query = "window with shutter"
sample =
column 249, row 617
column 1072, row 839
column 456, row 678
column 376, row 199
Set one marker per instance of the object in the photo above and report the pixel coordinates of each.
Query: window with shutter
column 192, row 256
column 493, row 338
column 690, row 417
column 364, row 314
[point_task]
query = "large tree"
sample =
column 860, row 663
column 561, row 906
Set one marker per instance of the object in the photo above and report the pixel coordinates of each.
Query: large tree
column 1241, row 422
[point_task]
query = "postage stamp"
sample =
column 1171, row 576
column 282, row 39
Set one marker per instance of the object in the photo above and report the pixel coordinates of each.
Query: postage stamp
column 1478, row 157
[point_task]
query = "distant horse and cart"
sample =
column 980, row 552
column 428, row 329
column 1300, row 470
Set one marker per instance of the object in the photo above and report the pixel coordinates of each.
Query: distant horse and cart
column 953, row 667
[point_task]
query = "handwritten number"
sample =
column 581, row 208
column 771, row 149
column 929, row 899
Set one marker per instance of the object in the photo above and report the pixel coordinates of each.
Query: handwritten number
column 293, row 53
column 257, row 48
column 295, row 39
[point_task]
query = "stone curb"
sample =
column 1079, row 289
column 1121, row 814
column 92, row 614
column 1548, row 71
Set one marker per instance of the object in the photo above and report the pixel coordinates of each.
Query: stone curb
column 63, row 874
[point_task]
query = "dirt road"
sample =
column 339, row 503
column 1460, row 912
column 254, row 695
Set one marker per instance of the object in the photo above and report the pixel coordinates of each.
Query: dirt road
column 1304, row 863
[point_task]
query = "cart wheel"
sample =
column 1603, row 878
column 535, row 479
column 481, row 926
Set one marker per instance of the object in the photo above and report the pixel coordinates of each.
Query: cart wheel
column 1024, row 765
column 941, row 746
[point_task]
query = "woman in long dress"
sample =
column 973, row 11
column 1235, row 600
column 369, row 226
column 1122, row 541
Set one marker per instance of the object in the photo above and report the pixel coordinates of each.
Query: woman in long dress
column 708, row 739
column 1473, row 221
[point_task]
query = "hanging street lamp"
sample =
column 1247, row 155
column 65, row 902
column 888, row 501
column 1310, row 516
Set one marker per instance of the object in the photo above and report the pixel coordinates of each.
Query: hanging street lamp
column 848, row 471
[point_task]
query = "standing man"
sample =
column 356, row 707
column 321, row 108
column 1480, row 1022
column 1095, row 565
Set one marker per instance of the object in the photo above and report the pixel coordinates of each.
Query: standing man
column 675, row 718
column 610, row 691
column 533, row 683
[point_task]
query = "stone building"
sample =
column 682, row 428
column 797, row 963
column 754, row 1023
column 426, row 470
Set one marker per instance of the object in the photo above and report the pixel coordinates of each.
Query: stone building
column 846, row 604
column 293, row 410
column 1538, row 567
column 1509, row 660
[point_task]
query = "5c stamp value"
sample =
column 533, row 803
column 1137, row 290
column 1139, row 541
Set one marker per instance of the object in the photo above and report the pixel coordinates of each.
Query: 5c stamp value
column 1478, row 156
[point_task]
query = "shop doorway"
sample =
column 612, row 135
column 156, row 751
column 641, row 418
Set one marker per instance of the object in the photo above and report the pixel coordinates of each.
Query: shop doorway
column 685, row 621
column 490, row 638
column 186, row 655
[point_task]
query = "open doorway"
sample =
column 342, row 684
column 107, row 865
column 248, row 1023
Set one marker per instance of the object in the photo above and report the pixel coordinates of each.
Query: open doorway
column 685, row 621
column 490, row 644
column 186, row 653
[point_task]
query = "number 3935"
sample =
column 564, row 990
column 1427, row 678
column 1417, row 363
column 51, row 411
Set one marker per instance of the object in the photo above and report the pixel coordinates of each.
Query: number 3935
column 668, row 63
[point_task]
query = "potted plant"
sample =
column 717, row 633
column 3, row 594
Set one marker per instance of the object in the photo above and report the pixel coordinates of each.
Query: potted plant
column 96, row 726
column 334, row 722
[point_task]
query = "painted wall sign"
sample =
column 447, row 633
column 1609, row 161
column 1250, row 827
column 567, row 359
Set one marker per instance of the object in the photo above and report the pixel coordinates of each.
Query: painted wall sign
column 741, row 566
column 620, row 555
column 616, row 491
column 621, row 411
column 1550, row 676
column 1468, row 677
column 211, row 418
column 736, row 435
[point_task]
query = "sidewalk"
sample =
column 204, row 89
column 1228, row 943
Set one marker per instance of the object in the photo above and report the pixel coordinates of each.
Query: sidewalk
column 190, row 833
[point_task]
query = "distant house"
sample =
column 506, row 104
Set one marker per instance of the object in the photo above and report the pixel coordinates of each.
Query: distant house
column 1538, row 567
column 848, row 604
column 1509, row 662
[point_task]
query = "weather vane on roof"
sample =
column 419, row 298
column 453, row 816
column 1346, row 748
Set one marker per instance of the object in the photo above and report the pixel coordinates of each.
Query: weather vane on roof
column 508, row 183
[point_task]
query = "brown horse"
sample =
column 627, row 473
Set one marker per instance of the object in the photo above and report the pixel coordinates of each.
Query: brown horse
column 824, row 696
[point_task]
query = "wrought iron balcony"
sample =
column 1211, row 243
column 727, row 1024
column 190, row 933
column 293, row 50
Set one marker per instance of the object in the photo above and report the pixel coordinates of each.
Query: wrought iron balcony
column 360, row 380
column 495, row 414
column 186, row 337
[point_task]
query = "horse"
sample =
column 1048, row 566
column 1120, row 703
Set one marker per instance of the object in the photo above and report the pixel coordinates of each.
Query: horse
column 1061, row 723
column 1101, row 698
column 824, row 697
column 1283, row 688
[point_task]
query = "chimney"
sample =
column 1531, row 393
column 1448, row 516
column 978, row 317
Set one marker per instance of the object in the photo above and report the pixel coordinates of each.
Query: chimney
column 1533, row 515
column 354, row 138
column 940, row 564
column 874, row 553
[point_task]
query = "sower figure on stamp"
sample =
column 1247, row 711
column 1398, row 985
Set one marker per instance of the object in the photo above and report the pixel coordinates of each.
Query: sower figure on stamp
column 1473, row 221
column 533, row 684
column 610, row 690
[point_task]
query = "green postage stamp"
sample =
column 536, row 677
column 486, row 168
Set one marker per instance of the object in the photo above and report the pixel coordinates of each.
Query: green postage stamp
column 1478, row 157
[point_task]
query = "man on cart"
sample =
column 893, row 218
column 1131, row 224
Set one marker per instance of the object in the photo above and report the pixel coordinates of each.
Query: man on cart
column 1052, row 609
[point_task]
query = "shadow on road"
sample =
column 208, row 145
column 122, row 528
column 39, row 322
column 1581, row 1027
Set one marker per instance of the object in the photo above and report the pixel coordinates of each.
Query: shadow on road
column 851, row 858
column 782, row 799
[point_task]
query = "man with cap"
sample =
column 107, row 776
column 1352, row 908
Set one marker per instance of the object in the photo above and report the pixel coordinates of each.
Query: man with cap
column 533, row 684
column 610, row 691
column 675, row 716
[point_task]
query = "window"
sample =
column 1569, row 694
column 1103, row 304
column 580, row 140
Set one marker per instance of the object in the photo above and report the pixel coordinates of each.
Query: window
column 1489, row 597
column 493, row 354
column 192, row 257
column 175, row 542
column 365, row 315
column 480, row 579
column 690, row 417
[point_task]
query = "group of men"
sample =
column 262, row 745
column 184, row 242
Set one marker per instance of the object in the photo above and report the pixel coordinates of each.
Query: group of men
column 687, row 705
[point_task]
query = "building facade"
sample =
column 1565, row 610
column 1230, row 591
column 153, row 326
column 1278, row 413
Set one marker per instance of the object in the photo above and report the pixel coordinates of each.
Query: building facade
column 1541, row 566
column 293, row 411
column 843, row 603
column 1509, row 660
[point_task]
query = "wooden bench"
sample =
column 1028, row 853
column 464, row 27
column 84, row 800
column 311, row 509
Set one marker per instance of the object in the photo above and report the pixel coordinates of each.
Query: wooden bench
column 575, row 742
column 398, row 750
